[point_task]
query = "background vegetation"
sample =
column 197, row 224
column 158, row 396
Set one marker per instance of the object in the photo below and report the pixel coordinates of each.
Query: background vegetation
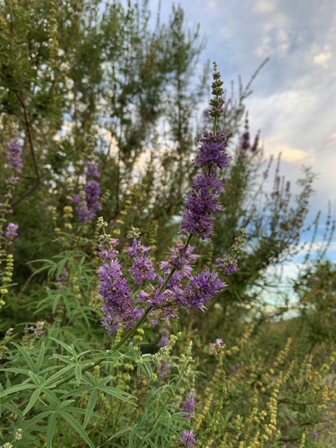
column 82, row 82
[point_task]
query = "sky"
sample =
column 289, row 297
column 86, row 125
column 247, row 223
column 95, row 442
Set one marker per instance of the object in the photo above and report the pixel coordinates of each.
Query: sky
column 294, row 99
column 294, row 96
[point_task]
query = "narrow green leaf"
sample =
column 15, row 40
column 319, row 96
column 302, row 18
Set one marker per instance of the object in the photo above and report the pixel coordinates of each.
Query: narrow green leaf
column 40, row 357
column 53, row 378
column 120, row 394
column 90, row 406
column 26, row 424
column 17, row 388
column 76, row 426
column 26, row 356
column 78, row 373
column 51, row 429
column 63, row 344
column 33, row 399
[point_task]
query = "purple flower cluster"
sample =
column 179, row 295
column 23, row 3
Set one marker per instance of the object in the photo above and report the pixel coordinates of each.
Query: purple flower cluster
column 189, row 404
column 203, row 201
column 38, row 330
column 164, row 368
column 212, row 151
column 142, row 268
column 164, row 341
column 188, row 439
column 245, row 140
column 118, row 308
column 227, row 264
column 180, row 259
column 62, row 279
column 217, row 346
column 201, row 289
column 11, row 232
column 14, row 160
column 172, row 290
column 88, row 202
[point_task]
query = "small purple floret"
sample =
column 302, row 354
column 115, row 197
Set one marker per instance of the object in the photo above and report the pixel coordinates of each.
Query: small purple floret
column 11, row 232
column 188, row 439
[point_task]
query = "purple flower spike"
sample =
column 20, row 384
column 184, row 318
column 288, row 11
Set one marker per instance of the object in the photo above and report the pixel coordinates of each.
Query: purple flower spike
column 11, row 232
column 88, row 201
column 14, row 155
column 227, row 264
column 245, row 141
column 188, row 439
column 142, row 268
column 200, row 290
column 118, row 305
column 164, row 341
column 212, row 151
column 92, row 170
column 189, row 404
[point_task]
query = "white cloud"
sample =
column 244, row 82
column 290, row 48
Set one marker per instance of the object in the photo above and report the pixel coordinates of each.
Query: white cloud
column 322, row 59
column 263, row 6
column 295, row 155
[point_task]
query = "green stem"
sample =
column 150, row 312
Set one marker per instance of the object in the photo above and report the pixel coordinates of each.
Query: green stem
column 148, row 433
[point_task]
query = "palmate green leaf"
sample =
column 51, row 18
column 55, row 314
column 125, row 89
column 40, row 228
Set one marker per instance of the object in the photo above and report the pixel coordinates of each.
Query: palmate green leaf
column 76, row 426
column 90, row 407
column 51, row 429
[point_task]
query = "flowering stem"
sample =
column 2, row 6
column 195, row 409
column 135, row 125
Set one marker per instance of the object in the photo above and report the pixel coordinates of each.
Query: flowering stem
column 127, row 335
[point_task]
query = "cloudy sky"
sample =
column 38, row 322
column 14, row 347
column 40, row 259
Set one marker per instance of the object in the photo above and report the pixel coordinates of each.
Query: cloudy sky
column 294, row 96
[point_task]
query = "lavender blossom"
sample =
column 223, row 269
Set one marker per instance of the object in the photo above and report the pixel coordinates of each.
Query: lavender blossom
column 200, row 290
column 188, row 439
column 92, row 170
column 119, row 308
column 164, row 341
column 88, row 201
column 245, row 140
column 227, row 264
column 38, row 330
column 203, row 200
column 164, row 368
column 212, row 151
column 11, row 232
column 14, row 155
column 62, row 279
column 200, row 205
column 217, row 346
column 189, row 404
column 180, row 259
column 142, row 268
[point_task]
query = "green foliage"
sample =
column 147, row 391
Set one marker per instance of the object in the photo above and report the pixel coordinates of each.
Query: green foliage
column 83, row 81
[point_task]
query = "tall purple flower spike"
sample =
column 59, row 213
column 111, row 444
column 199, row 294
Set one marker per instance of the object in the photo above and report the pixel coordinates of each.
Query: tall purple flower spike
column 88, row 202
